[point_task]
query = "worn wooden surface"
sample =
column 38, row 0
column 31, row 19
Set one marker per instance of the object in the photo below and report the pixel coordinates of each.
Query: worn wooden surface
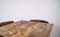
column 26, row 29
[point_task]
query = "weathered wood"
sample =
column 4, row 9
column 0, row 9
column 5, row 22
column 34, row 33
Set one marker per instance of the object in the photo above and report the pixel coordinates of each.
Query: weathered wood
column 26, row 29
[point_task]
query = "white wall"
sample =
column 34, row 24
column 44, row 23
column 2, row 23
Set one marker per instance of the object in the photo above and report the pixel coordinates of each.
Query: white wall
column 31, row 9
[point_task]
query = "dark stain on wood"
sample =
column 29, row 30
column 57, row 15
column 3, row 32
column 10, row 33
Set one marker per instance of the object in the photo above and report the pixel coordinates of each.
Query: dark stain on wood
column 43, row 21
column 6, row 23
